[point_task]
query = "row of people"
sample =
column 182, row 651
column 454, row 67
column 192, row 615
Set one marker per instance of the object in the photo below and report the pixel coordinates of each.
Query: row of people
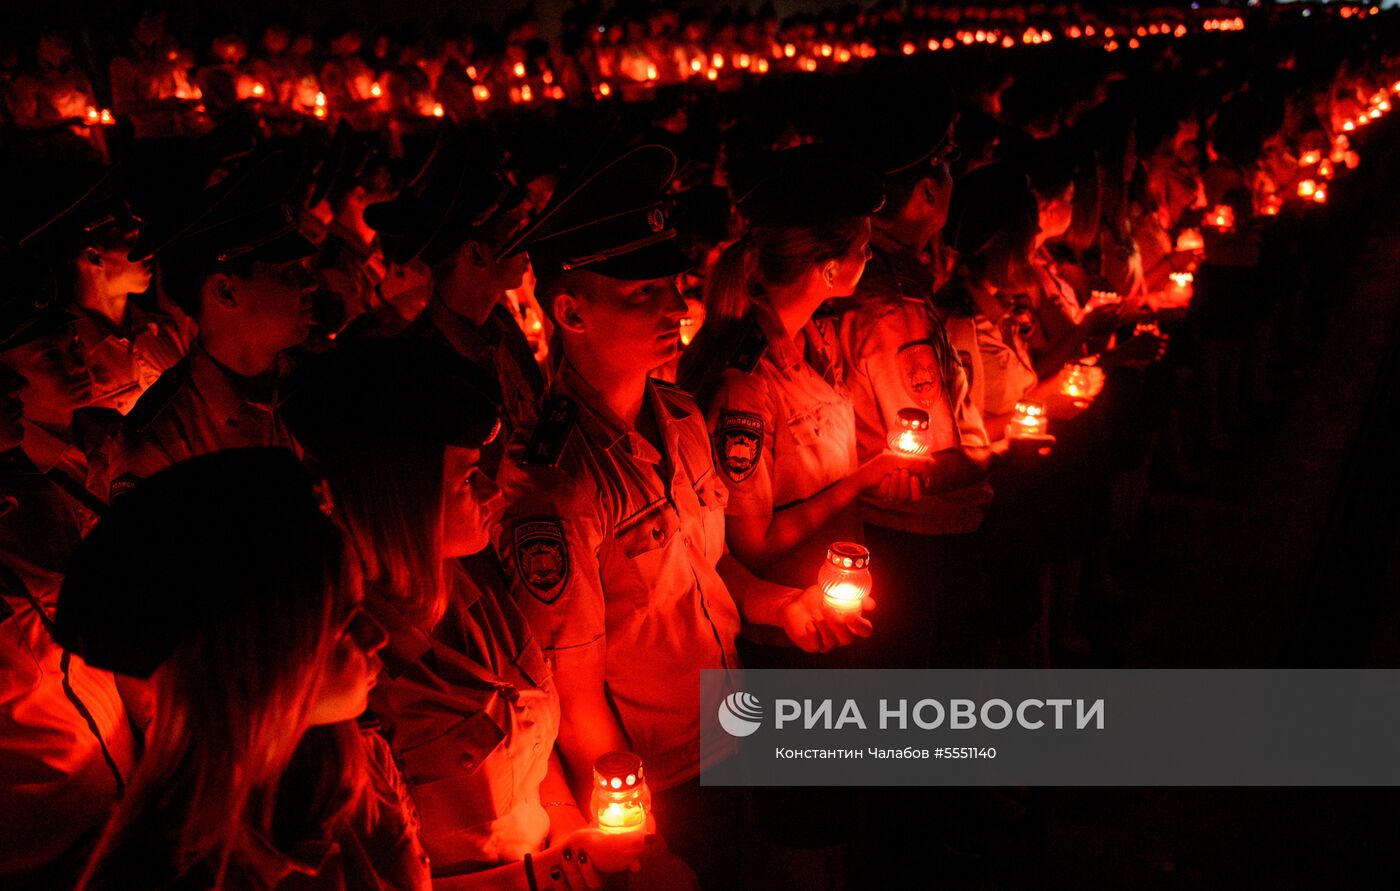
column 530, row 562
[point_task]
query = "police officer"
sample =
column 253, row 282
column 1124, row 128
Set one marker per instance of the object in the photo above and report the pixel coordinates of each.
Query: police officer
column 770, row 378
column 127, row 339
column 66, row 746
column 237, row 266
column 899, row 358
column 466, row 701
column 461, row 219
column 614, row 528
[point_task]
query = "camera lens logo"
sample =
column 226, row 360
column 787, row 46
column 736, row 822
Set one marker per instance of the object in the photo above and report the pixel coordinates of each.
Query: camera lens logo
column 740, row 714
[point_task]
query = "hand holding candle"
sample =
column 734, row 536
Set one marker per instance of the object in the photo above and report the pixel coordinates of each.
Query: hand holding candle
column 621, row 800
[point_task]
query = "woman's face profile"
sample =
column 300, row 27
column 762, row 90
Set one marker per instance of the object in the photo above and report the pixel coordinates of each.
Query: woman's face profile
column 352, row 667
column 471, row 503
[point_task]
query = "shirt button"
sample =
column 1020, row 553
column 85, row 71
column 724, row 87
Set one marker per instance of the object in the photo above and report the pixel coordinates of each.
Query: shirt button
column 657, row 534
column 467, row 761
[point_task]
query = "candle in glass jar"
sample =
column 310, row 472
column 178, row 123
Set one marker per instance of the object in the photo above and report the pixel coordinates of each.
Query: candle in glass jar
column 621, row 800
column 1190, row 240
column 1082, row 381
column 845, row 577
column 1222, row 218
column 1028, row 420
column 911, row 435
column 1179, row 289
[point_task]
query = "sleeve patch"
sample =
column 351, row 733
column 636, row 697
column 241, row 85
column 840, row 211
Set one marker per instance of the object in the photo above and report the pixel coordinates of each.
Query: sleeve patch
column 542, row 557
column 918, row 363
column 738, row 443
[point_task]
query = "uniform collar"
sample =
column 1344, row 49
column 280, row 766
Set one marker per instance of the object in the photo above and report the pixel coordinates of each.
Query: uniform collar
column 605, row 428
column 465, row 337
column 785, row 352
column 220, row 387
column 47, row 450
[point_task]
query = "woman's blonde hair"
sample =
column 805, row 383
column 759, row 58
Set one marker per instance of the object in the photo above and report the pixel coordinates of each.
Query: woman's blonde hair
column 232, row 710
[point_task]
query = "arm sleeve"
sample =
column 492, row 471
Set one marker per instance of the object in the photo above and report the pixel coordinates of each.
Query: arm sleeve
column 549, row 540
column 742, row 433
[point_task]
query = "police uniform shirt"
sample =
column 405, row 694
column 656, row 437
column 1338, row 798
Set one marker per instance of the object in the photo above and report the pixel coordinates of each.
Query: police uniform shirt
column 500, row 347
column 471, row 714
column 125, row 365
column 1055, row 304
column 898, row 355
column 783, row 430
column 613, row 544
column 196, row 407
column 65, row 743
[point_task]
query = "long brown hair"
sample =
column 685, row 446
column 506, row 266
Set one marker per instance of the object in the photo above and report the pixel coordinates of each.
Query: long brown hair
column 233, row 703
column 390, row 499
column 767, row 256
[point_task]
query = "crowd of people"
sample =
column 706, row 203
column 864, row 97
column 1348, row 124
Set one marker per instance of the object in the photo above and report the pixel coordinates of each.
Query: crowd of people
column 391, row 434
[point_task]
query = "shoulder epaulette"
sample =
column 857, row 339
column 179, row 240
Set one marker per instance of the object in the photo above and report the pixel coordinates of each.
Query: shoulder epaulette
column 157, row 397
column 750, row 348
column 552, row 432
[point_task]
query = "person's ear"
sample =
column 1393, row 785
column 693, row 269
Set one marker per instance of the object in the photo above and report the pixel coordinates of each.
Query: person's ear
column 93, row 256
column 218, row 289
column 567, row 313
column 478, row 255
column 829, row 270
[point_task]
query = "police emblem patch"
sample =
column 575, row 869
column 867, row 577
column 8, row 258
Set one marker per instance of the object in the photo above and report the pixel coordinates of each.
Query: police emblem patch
column 542, row 558
column 921, row 374
column 738, row 443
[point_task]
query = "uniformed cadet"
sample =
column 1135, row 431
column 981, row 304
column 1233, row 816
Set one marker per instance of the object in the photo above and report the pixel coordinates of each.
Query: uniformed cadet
column 773, row 387
column 238, row 268
column 992, row 222
column 126, row 339
column 251, row 637
column 466, row 700
column 66, row 747
column 899, row 359
column 772, row 383
column 350, row 261
column 614, row 526
column 459, row 217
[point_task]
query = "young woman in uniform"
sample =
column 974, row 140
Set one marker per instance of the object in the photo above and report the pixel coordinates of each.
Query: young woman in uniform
column 467, row 701
column 248, row 623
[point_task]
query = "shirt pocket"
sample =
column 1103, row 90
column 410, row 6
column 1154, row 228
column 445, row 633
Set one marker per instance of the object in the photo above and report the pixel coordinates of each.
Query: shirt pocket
column 461, row 778
column 647, row 532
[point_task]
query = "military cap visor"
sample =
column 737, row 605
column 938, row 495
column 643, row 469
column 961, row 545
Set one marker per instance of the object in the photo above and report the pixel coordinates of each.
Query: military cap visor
column 247, row 217
column 615, row 223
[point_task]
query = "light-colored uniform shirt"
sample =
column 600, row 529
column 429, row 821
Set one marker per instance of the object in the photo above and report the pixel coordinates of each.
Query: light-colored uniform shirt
column 471, row 714
column 125, row 365
column 898, row 355
column 783, row 431
column 613, row 544
column 195, row 408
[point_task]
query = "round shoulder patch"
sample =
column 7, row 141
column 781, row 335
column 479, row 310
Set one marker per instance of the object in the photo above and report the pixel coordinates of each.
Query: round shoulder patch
column 738, row 443
column 922, row 376
column 542, row 557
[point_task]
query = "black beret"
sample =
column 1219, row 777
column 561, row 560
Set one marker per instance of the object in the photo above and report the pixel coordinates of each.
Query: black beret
column 188, row 547
column 983, row 203
column 389, row 393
